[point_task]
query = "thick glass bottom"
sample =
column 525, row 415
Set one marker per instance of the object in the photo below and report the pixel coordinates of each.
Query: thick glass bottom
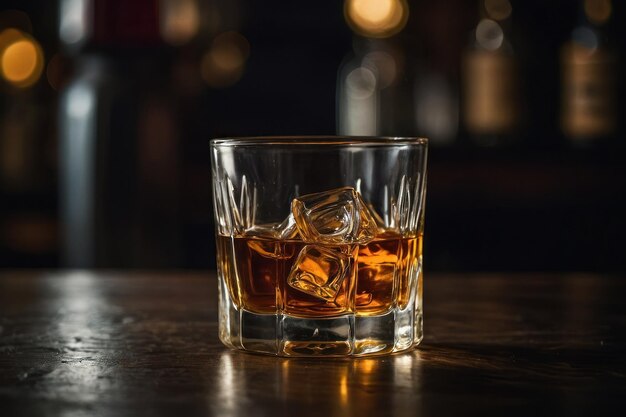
column 347, row 335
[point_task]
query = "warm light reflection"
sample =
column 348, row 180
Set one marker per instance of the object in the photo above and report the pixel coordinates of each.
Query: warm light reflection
column 21, row 59
column 498, row 9
column 223, row 64
column 343, row 389
column 598, row 11
column 376, row 18
column 334, row 384
column 179, row 20
column 367, row 366
column 489, row 34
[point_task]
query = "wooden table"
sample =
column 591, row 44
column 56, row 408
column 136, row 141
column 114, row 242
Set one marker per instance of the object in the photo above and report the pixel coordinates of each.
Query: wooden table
column 113, row 344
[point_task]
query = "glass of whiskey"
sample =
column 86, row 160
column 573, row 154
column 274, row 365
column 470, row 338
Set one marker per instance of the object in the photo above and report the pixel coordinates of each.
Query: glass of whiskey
column 319, row 243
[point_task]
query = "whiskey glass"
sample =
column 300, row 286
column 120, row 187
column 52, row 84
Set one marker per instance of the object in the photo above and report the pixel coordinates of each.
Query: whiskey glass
column 319, row 243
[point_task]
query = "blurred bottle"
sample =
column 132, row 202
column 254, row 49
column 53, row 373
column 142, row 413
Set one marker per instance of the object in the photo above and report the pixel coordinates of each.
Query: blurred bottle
column 588, row 64
column 118, row 143
column 491, row 101
column 436, row 107
column 373, row 91
column 357, row 100
column 439, row 29
column 372, row 98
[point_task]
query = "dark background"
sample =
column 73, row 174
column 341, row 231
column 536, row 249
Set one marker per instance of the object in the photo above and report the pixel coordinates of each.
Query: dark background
column 537, row 202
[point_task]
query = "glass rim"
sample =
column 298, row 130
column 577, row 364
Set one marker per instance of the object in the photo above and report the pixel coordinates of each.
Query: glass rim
column 332, row 140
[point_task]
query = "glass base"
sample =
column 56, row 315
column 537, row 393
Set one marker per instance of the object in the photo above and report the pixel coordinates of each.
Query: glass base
column 348, row 335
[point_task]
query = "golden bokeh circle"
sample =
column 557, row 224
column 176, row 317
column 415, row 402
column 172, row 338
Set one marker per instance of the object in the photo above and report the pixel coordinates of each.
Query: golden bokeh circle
column 376, row 18
column 21, row 58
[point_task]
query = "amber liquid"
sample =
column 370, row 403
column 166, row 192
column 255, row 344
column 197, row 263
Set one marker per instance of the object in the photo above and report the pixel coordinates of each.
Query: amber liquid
column 378, row 276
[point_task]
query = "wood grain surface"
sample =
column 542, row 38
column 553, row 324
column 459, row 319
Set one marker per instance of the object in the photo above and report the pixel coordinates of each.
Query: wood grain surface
column 119, row 343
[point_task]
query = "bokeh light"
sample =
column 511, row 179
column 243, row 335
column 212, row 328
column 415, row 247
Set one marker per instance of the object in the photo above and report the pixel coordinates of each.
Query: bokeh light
column 498, row 9
column 358, row 105
column 376, row 18
column 223, row 64
column 489, row 34
column 21, row 58
column 598, row 11
column 74, row 22
column 179, row 20
column 384, row 65
column 361, row 83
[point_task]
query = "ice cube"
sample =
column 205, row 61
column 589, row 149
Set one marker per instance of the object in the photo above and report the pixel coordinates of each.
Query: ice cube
column 333, row 217
column 319, row 271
